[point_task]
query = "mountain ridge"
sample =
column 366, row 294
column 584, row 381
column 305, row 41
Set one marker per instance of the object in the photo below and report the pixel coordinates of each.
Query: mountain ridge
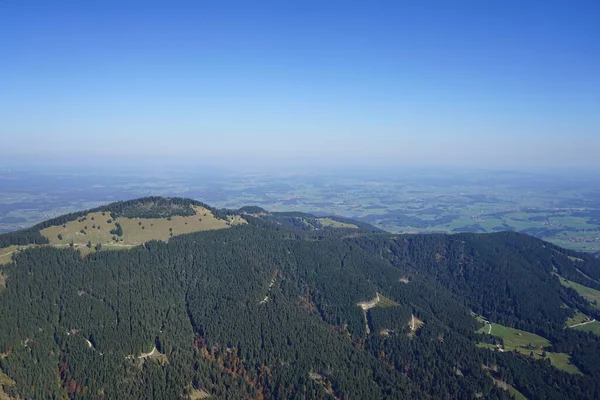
column 271, row 308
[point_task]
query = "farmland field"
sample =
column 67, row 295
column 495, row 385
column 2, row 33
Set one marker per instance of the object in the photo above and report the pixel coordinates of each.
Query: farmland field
column 561, row 207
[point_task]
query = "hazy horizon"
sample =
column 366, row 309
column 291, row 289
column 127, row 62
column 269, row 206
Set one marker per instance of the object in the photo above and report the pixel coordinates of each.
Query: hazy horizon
column 507, row 85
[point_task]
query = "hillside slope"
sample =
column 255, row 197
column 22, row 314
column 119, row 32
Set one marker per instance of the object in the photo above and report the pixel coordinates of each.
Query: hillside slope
column 291, row 306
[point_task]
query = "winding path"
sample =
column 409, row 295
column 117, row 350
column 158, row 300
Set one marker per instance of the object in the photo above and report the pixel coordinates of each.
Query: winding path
column 366, row 306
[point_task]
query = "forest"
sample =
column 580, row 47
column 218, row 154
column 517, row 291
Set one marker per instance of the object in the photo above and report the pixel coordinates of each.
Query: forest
column 270, row 310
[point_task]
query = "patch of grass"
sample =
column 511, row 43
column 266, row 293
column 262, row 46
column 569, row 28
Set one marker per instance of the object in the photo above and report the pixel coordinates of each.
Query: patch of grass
column 578, row 318
column 117, row 246
column 2, row 281
column 5, row 380
column 234, row 220
column 486, row 346
column 506, row 387
column 591, row 295
column 515, row 338
column 386, row 302
column 516, row 394
column 6, row 254
column 561, row 361
column 527, row 343
column 593, row 327
column 135, row 230
column 331, row 223
column 156, row 356
column 199, row 394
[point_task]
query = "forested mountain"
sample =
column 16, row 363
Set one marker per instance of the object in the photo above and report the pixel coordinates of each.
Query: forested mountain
column 289, row 305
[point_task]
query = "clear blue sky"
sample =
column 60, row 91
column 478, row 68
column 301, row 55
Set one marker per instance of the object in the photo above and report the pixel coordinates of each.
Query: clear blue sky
column 418, row 82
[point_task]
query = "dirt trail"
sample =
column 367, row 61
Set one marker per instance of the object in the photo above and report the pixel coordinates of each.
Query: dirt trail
column 366, row 306
column 152, row 353
column 263, row 301
column 582, row 323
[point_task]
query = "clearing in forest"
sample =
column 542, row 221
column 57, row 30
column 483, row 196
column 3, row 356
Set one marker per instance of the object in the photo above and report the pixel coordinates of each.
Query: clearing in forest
column 199, row 394
column 589, row 325
column 96, row 228
column 591, row 295
column 576, row 319
column 7, row 252
column 331, row 223
column 367, row 305
column 582, row 322
column 508, row 388
column 379, row 301
column 415, row 323
column 154, row 355
column 5, row 381
column 526, row 343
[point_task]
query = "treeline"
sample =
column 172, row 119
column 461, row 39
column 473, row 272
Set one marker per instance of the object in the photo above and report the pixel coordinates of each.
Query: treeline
column 22, row 238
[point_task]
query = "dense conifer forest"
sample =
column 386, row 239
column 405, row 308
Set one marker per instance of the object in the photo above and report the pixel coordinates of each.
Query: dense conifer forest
column 285, row 308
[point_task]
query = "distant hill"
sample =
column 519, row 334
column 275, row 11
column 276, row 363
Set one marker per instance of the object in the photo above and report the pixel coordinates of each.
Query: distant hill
column 236, row 304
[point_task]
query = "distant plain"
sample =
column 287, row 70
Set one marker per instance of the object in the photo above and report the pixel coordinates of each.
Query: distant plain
column 561, row 207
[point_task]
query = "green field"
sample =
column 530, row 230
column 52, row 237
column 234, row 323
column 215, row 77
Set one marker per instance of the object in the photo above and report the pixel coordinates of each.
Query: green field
column 6, row 254
column 592, row 295
column 386, row 302
column 593, row 327
column 527, row 343
column 517, row 395
column 578, row 318
column 515, row 338
column 331, row 223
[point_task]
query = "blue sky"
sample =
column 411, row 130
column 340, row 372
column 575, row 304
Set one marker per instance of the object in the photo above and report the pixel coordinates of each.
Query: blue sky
column 486, row 83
